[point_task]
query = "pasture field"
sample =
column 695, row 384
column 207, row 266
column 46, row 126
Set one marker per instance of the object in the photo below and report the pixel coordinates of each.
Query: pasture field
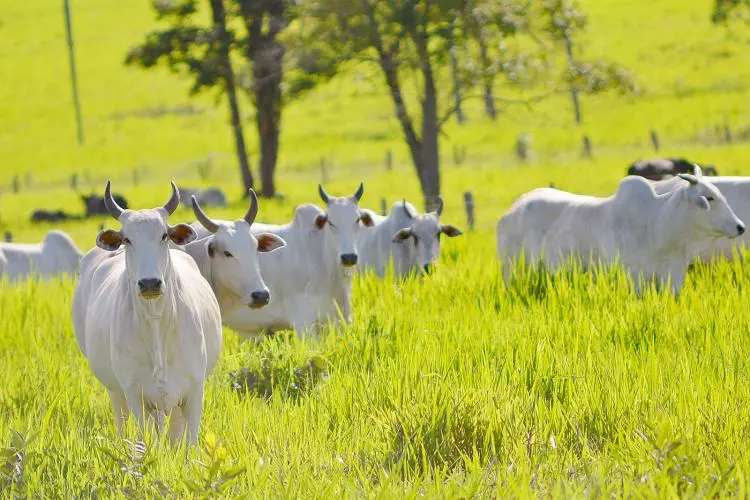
column 450, row 385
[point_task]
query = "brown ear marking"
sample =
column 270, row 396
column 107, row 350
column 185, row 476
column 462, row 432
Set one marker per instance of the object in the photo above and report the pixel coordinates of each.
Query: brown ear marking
column 181, row 234
column 366, row 219
column 320, row 220
column 109, row 240
column 268, row 242
column 450, row 230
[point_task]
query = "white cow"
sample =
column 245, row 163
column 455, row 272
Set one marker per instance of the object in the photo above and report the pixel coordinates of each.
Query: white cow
column 56, row 254
column 652, row 235
column 146, row 320
column 227, row 256
column 310, row 279
column 736, row 190
column 410, row 240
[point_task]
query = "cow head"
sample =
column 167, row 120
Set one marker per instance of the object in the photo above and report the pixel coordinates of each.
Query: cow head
column 341, row 222
column 145, row 235
column 713, row 215
column 233, row 250
column 421, row 237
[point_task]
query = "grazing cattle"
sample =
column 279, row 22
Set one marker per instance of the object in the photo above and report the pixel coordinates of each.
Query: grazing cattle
column 56, row 254
column 95, row 204
column 146, row 320
column 410, row 240
column 38, row 216
column 211, row 197
column 227, row 256
column 736, row 190
column 658, row 168
column 653, row 235
column 310, row 279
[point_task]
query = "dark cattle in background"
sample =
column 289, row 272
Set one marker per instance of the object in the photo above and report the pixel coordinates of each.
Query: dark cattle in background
column 52, row 216
column 656, row 169
column 209, row 197
column 95, row 204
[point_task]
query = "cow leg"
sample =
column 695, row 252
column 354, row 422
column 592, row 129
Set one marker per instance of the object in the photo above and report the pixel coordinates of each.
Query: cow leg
column 192, row 410
column 120, row 408
column 177, row 425
column 135, row 406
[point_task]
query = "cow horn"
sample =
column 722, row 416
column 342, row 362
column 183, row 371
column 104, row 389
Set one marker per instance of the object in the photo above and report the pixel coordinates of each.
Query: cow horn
column 323, row 195
column 205, row 221
column 439, row 209
column 690, row 178
column 174, row 201
column 406, row 209
column 113, row 208
column 360, row 191
column 697, row 170
column 252, row 211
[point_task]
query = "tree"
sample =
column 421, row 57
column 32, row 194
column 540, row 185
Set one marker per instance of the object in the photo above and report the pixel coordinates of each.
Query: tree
column 203, row 53
column 729, row 10
column 564, row 22
column 206, row 55
column 264, row 21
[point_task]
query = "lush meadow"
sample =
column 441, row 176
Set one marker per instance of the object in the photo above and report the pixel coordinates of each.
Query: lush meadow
column 450, row 385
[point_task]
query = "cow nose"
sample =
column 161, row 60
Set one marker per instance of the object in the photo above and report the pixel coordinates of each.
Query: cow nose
column 349, row 259
column 150, row 286
column 260, row 299
column 427, row 268
column 740, row 229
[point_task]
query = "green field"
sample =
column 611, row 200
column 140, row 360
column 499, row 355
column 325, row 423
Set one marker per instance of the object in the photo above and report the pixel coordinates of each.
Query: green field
column 451, row 385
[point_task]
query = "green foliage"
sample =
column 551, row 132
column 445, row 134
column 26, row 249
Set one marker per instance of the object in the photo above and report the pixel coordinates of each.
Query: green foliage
column 14, row 460
column 730, row 10
column 213, row 476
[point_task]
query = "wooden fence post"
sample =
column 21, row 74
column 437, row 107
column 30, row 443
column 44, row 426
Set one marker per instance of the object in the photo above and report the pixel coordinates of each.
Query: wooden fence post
column 16, row 184
column 389, row 160
column 586, row 146
column 469, row 205
column 383, row 207
column 74, row 181
column 8, row 237
column 655, row 141
column 727, row 134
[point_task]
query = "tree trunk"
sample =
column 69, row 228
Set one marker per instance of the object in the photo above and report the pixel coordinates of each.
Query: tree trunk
column 394, row 86
column 430, row 145
column 488, row 79
column 219, row 22
column 267, row 71
column 573, row 89
column 456, row 80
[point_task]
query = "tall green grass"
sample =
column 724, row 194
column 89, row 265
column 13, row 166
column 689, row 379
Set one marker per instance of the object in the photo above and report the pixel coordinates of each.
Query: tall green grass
column 449, row 385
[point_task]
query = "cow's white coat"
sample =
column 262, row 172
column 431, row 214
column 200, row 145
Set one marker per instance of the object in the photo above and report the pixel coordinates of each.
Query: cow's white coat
column 56, row 254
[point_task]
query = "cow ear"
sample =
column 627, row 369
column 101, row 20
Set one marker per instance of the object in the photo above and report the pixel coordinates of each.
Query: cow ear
column 268, row 242
column 450, row 230
column 320, row 220
column 109, row 240
column 182, row 234
column 402, row 235
column 366, row 218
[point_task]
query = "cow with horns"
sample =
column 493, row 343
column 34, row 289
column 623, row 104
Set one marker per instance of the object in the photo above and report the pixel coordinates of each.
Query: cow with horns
column 227, row 254
column 310, row 279
column 410, row 240
column 146, row 320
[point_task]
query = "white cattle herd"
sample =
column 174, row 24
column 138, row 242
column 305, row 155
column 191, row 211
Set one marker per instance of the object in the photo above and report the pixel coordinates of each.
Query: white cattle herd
column 151, row 298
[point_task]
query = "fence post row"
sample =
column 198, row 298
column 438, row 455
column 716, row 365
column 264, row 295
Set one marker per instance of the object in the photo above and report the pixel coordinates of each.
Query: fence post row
column 655, row 141
column 8, row 237
column 469, row 206
column 389, row 160
column 586, row 146
column 383, row 207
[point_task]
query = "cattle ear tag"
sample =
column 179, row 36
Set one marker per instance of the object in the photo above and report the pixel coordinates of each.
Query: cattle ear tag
column 109, row 240
column 320, row 220
column 182, row 234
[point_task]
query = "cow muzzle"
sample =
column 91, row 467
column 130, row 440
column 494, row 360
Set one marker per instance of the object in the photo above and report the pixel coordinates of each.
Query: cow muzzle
column 349, row 259
column 259, row 299
column 150, row 288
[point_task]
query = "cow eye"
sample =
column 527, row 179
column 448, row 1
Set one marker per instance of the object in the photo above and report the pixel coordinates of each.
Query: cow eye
column 709, row 198
column 227, row 254
column 164, row 237
column 126, row 241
